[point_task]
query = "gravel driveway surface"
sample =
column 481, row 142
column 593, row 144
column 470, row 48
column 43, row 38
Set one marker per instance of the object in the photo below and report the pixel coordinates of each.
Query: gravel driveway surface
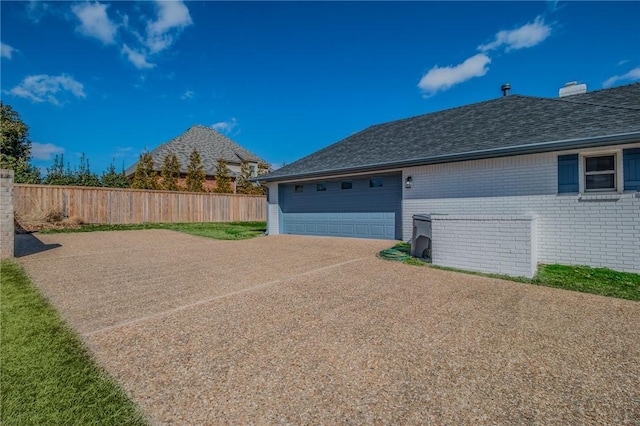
column 306, row 330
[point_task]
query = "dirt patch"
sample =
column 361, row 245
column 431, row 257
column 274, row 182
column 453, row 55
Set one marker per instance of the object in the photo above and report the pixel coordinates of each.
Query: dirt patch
column 34, row 224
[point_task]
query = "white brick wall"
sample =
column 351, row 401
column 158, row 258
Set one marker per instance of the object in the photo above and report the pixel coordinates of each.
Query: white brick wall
column 273, row 210
column 571, row 229
column 522, row 175
column 491, row 244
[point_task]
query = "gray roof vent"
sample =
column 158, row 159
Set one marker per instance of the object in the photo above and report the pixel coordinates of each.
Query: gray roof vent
column 505, row 89
column 572, row 88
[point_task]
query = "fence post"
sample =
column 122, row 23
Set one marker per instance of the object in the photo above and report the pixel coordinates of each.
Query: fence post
column 6, row 214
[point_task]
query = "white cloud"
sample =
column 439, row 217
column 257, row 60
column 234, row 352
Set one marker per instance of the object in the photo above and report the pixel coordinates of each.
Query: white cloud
column 123, row 152
column 527, row 35
column 632, row 75
column 173, row 16
column 36, row 10
column 138, row 59
column 189, row 94
column 45, row 151
column 94, row 21
column 6, row 50
column 438, row 79
column 622, row 62
column 226, row 127
column 146, row 35
column 46, row 88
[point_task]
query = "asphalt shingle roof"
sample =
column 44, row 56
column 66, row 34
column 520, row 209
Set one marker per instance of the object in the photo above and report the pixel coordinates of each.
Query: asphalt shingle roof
column 511, row 121
column 209, row 143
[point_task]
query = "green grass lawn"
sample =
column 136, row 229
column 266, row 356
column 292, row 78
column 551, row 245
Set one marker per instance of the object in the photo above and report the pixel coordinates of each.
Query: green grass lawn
column 602, row 281
column 219, row 231
column 46, row 375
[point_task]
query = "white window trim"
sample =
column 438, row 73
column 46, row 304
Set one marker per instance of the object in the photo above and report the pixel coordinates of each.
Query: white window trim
column 619, row 178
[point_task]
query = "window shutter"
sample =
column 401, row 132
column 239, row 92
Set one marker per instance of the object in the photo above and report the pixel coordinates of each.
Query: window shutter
column 568, row 173
column 631, row 166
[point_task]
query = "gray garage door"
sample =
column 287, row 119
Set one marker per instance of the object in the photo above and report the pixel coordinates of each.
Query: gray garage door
column 364, row 207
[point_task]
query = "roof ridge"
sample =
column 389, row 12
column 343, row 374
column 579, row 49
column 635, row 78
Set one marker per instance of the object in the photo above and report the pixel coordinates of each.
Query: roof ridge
column 594, row 103
column 498, row 99
column 602, row 105
column 637, row 83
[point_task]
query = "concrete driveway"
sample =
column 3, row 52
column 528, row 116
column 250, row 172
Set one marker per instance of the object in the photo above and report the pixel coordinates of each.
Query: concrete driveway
column 305, row 330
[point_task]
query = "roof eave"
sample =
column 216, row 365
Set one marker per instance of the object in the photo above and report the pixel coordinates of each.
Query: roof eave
column 621, row 138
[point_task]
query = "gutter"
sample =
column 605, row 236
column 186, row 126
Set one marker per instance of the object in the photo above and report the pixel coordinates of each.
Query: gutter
column 535, row 148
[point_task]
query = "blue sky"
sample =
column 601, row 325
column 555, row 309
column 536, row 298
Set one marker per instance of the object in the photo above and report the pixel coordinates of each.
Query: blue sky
column 285, row 79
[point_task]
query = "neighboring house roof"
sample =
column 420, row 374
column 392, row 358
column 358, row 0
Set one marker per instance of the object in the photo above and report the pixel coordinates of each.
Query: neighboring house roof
column 507, row 125
column 211, row 146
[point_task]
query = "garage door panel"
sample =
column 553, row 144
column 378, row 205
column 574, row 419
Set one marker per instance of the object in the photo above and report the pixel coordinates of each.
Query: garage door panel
column 378, row 230
column 348, row 229
column 373, row 225
column 333, row 229
column 362, row 230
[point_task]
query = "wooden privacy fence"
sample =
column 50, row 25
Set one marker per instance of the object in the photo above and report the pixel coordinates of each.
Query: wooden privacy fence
column 119, row 206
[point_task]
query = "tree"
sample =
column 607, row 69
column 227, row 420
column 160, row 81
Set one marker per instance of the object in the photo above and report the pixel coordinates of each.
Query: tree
column 223, row 180
column 195, row 173
column 58, row 174
column 170, row 172
column 15, row 146
column 84, row 176
column 263, row 169
column 112, row 179
column 243, row 186
column 145, row 176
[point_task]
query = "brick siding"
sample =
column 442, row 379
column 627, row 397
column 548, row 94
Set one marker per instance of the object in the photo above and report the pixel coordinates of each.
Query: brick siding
column 595, row 230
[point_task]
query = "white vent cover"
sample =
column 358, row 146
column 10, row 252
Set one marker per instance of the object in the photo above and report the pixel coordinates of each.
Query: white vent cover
column 572, row 88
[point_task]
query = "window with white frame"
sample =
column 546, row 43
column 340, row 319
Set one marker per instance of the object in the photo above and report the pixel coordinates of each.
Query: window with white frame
column 600, row 173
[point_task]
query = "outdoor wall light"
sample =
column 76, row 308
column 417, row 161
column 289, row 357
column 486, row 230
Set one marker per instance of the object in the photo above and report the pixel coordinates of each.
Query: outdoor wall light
column 408, row 183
